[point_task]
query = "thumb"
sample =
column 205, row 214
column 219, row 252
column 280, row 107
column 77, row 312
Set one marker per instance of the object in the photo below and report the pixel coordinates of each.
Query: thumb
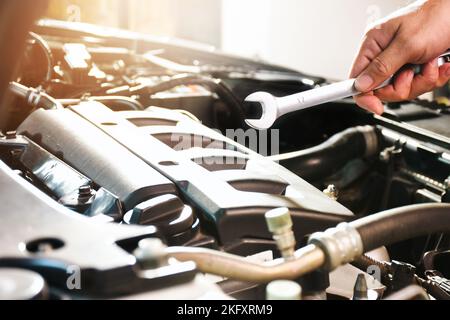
column 381, row 68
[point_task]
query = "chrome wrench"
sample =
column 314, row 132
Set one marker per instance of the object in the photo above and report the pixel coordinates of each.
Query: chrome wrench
column 273, row 107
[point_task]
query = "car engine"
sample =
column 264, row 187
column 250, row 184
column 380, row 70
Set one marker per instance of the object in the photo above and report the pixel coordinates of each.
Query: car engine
column 128, row 172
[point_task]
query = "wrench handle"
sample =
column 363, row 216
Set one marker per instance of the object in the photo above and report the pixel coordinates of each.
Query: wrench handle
column 336, row 91
column 317, row 96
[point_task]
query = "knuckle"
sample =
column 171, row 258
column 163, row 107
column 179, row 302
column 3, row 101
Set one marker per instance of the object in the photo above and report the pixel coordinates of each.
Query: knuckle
column 408, row 46
column 372, row 28
column 372, row 32
column 402, row 96
column 405, row 41
column 381, row 67
column 432, row 79
column 428, row 83
column 416, row 49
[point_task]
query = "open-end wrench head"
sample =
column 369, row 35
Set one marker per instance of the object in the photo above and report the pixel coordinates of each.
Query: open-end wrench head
column 269, row 107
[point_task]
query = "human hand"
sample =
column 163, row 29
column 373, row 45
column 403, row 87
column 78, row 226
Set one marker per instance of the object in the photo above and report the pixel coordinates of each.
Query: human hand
column 417, row 36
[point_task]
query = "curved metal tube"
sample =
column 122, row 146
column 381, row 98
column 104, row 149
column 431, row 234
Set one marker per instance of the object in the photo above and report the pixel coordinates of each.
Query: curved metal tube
column 380, row 229
column 306, row 260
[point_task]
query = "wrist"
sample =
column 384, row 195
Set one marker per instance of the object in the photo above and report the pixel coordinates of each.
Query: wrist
column 413, row 7
column 440, row 11
column 440, row 5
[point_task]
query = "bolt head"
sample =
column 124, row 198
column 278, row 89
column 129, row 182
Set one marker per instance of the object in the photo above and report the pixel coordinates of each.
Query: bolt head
column 85, row 192
column 447, row 183
column 11, row 135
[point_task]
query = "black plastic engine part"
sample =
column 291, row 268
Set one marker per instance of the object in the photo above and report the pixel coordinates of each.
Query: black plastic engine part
column 222, row 206
column 105, row 203
column 224, row 195
column 75, row 191
column 45, row 167
column 64, row 241
column 97, row 156
column 423, row 115
column 168, row 213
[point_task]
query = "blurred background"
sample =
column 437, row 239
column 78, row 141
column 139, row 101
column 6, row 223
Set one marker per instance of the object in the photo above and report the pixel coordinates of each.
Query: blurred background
column 318, row 37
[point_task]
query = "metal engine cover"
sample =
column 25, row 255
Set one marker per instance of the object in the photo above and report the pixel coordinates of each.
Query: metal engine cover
column 136, row 156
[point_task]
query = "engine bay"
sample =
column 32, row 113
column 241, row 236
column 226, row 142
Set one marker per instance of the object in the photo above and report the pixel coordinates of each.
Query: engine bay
column 128, row 172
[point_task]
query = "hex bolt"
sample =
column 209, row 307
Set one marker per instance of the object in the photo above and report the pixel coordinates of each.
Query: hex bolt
column 151, row 253
column 280, row 225
column 11, row 135
column 332, row 192
column 84, row 192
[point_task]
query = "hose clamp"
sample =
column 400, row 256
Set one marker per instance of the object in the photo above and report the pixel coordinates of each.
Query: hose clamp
column 341, row 245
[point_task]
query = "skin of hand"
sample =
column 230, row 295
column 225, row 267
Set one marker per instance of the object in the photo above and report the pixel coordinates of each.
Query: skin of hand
column 416, row 36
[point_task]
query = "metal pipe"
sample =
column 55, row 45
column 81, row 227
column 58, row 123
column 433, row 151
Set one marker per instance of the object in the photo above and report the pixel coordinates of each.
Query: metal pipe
column 306, row 260
column 329, row 249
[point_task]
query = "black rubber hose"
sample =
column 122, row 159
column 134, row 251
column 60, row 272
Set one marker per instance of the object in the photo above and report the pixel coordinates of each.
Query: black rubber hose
column 115, row 103
column 214, row 85
column 48, row 55
column 401, row 224
column 331, row 156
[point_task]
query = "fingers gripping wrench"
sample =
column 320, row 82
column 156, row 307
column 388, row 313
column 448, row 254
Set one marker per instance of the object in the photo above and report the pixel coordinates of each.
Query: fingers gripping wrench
column 273, row 107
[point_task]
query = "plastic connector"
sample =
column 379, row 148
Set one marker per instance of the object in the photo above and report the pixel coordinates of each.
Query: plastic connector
column 279, row 222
